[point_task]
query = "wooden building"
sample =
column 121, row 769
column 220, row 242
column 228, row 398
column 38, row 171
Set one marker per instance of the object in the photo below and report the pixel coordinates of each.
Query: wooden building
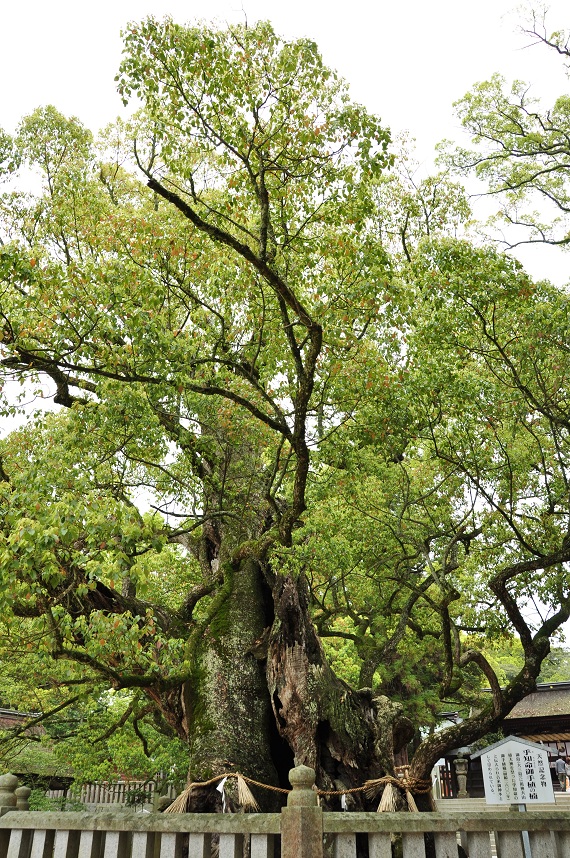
column 544, row 717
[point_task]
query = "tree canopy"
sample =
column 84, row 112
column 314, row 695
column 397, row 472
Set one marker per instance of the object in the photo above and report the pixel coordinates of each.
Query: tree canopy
column 296, row 405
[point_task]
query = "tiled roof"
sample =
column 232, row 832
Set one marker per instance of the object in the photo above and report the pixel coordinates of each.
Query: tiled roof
column 10, row 718
column 546, row 701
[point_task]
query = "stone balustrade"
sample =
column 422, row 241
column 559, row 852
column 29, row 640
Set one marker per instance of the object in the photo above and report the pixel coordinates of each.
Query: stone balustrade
column 302, row 827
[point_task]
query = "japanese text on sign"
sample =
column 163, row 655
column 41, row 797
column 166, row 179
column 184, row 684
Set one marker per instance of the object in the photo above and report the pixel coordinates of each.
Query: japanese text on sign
column 514, row 773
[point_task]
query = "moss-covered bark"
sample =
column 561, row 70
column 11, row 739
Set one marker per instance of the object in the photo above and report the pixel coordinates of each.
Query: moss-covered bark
column 228, row 708
column 262, row 697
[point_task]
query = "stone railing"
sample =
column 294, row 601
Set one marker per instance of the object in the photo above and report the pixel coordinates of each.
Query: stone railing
column 304, row 831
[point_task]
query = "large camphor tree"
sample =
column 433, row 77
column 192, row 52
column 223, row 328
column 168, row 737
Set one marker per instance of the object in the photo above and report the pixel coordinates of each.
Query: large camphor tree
column 294, row 408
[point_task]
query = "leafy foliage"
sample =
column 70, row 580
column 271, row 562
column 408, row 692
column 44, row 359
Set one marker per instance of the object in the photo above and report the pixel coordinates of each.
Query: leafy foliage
column 521, row 150
column 296, row 403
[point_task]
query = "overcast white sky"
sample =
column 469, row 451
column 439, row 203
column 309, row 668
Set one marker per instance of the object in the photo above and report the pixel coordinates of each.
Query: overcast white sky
column 406, row 61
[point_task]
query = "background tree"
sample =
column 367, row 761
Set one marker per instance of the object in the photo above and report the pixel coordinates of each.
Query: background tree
column 521, row 152
column 507, row 659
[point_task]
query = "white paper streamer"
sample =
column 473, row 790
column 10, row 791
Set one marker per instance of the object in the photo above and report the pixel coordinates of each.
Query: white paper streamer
column 343, row 805
column 221, row 789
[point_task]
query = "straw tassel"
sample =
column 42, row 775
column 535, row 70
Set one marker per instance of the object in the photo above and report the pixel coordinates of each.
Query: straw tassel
column 388, row 800
column 373, row 787
column 180, row 803
column 245, row 796
column 412, row 806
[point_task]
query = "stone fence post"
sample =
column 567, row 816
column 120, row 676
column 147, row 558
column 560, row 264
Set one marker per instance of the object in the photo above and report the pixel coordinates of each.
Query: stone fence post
column 8, row 799
column 302, row 819
column 22, row 798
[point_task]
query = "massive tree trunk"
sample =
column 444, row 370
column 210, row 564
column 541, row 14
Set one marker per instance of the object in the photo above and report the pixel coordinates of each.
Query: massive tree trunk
column 262, row 697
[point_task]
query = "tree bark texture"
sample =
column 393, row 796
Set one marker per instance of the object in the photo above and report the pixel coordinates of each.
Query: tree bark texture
column 262, row 698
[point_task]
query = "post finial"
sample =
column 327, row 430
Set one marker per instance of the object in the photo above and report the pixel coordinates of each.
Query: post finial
column 22, row 797
column 8, row 785
column 302, row 779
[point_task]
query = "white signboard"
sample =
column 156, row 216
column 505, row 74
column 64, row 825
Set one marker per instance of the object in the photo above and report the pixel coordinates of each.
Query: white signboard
column 516, row 772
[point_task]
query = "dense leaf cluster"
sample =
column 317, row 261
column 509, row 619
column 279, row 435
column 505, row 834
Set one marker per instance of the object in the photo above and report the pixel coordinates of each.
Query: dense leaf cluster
column 272, row 350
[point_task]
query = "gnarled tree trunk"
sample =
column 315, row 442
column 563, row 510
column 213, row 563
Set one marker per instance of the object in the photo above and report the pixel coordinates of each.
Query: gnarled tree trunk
column 262, row 697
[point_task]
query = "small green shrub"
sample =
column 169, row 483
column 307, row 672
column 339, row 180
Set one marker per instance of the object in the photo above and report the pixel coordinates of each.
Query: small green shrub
column 40, row 801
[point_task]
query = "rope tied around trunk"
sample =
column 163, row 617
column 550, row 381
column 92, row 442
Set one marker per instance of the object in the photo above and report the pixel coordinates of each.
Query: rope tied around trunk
column 388, row 784
column 391, row 785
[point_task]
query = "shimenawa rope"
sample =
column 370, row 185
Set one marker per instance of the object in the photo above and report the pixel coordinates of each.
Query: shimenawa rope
column 388, row 784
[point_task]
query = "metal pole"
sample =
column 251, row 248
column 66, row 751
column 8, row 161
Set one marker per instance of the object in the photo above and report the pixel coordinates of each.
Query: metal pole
column 525, row 838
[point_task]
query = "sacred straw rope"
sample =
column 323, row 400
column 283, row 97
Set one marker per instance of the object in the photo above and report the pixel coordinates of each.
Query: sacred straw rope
column 413, row 785
column 371, row 787
column 217, row 778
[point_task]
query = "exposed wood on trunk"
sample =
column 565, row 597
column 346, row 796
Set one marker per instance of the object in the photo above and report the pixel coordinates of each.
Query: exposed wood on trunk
column 345, row 735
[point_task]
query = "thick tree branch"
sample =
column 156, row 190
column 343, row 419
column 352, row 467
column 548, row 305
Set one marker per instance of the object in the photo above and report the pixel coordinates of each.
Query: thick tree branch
column 243, row 250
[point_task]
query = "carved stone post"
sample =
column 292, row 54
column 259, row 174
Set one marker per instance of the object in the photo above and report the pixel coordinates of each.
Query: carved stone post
column 22, row 795
column 461, row 772
column 302, row 819
column 8, row 800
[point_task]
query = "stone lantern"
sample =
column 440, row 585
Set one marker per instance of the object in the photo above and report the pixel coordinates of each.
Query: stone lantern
column 461, row 765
